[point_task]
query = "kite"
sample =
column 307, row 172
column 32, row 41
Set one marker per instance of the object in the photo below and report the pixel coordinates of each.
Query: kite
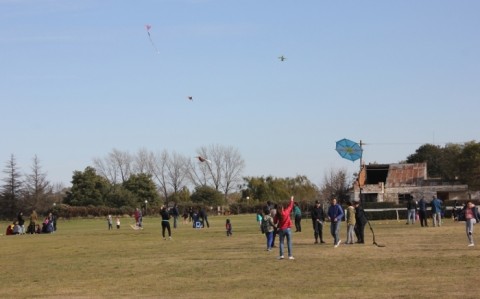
column 202, row 159
column 148, row 27
column 190, row 98
column 282, row 58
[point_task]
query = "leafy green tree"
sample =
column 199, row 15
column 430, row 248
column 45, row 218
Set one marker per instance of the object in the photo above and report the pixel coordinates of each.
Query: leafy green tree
column 469, row 164
column 88, row 188
column 432, row 155
column 120, row 197
column 143, row 188
column 182, row 196
column 449, row 162
column 277, row 189
column 207, row 196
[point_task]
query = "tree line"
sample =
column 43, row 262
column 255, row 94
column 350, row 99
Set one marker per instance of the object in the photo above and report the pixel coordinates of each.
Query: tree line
column 121, row 179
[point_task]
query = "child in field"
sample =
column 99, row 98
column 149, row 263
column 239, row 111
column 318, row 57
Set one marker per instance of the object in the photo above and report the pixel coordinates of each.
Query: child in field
column 118, row 223
column 259, row 220
column 110, row 222
column 228, row 227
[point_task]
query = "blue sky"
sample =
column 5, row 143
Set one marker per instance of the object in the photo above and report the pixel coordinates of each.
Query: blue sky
column 80, row 78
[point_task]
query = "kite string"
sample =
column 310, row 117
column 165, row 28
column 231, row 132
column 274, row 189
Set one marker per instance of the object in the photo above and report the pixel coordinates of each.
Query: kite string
column 151, row 40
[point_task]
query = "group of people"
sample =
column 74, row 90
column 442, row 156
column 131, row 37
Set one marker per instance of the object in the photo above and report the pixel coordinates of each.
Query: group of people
column 198, row 217
column 355, row 217
column 276, row 221
column 421, row 206
column 110, row 222
column 17, row 227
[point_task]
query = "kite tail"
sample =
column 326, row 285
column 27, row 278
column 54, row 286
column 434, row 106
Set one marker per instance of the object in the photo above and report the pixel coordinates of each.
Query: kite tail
column 153, row 44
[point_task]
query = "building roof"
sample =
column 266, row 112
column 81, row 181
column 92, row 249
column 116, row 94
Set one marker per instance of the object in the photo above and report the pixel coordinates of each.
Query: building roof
column 401, row 175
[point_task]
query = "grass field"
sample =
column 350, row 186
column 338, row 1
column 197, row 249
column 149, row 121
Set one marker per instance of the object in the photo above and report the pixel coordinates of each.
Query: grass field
column 85, row 260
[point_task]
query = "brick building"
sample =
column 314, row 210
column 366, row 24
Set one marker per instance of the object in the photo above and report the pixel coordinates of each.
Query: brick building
column 397, row 182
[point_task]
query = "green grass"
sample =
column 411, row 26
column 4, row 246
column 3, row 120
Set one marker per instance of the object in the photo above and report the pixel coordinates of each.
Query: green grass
column 85, row 260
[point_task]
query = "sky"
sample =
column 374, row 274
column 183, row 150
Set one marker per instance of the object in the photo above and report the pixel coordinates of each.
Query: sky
column 81, row 78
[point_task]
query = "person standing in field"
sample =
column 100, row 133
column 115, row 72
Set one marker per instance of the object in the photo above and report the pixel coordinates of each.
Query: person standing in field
column 204, row 217
column 258, row 218
column 228, row 227
column 273, row 214
column 471, row 215
column 110, row 222
column 21, row 223
column 175, row 214
column 136, row 215
column 297, row 213
column 283, row 223
column 360, row 222
column 33, row 222
column 118, row 222
column 268, row 227
column 335, row 214
column 318, row 218
column 436, row 211
column 422, row 212
column 165, row 222
column 411, row 210
column 351, row 221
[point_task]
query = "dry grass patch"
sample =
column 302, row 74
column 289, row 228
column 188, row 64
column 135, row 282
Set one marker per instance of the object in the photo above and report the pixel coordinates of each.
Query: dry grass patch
column 85, row 260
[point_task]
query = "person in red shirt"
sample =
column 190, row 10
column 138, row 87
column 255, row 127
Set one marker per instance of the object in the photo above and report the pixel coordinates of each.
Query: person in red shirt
column 283, row 223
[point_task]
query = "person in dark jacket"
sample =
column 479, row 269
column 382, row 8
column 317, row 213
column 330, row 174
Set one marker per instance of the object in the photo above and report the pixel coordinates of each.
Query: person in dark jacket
column 422, row 212
column 175, row 213
column 318, row 218
column 411, row 210
column 361, row 221
column 165, row 222
column 21, row 223
column 204, row 217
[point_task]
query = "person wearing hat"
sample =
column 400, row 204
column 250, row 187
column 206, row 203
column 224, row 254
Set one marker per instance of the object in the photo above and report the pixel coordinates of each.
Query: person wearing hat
column 318, row 218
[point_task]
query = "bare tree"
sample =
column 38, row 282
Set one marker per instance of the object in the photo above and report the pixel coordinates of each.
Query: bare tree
column 158, row 170
column 116, row 167
column 38, row 192
column 177, row 171
column 232, row 168
column 198, row 172
column 11, row 190
column 143, row 161
column 335, row 184
column 222, row 170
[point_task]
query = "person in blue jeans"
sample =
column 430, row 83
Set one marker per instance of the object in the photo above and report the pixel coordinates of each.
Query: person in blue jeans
column 335, row 214
column 283, row 223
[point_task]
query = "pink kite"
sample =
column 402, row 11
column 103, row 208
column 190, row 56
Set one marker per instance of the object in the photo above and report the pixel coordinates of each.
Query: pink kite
column 148, row 27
